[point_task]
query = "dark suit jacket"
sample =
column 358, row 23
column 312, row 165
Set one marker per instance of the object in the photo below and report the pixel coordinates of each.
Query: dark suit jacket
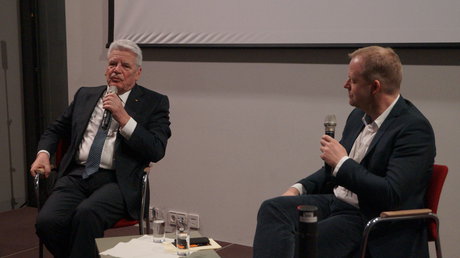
column 147, row 143
column 393, row 175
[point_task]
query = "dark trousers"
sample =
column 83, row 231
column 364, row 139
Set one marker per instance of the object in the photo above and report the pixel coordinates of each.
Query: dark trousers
column 340, row 227
column 78, row 211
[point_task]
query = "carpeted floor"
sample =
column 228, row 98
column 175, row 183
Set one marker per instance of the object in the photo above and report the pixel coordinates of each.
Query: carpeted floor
column 18, row 239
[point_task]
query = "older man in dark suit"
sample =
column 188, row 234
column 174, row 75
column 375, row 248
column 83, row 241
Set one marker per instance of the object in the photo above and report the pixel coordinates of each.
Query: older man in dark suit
column 96, row 188
column 383, row 162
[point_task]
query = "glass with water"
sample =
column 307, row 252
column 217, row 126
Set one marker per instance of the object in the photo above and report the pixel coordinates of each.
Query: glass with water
column 158, row 226
column 182, row 237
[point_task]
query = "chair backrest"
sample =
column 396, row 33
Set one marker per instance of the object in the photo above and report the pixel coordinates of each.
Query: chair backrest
column 433, row 195
column 62, row 147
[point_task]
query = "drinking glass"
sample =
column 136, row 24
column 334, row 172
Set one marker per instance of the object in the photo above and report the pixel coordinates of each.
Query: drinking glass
column 158, row 226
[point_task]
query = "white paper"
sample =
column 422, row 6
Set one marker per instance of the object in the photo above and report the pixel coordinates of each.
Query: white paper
column 141, row 247
column 145, row 247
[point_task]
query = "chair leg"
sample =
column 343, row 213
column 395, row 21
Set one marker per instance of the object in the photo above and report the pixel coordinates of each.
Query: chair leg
column 142, row 216
column 144, row 225
column 370, row 224
column 141, row 225
column 37, row 197
column 437, row 244
column 437, row 241
column 37, row 190
column 147, row 226
column 40, row 248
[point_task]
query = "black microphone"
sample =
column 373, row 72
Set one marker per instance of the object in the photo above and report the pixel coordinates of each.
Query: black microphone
column 329, row 129
column 107, row 116
column 329, row 125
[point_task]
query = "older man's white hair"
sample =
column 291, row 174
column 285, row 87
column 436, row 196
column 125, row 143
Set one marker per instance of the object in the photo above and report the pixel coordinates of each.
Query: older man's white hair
column 126, row 44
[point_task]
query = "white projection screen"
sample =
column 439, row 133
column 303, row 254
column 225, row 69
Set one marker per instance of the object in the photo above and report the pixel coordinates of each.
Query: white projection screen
column 285, row 22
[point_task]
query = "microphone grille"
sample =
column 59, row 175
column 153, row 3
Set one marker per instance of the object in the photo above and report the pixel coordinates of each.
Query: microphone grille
column 330, row 120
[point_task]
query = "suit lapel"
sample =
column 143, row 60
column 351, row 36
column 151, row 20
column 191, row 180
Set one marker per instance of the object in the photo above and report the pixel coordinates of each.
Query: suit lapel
column 353, row 136
column 92, row 100
column 89, row 101
column 134, row 102
column 395, row 112
column 355, row 127
column 134, row 107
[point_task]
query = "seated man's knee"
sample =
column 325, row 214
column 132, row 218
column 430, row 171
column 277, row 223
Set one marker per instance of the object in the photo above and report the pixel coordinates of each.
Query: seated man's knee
column 85, row 213
column 46, row 223
column 266, row 205
column 273, row 206
column 280, row 202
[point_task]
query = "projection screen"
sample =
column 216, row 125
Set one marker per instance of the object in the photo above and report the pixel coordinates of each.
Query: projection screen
column 285, row 22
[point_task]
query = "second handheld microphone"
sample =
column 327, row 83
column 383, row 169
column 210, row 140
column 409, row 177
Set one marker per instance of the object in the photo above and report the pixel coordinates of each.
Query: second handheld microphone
column 329, row 125
column 107, row 116
column 329, row 129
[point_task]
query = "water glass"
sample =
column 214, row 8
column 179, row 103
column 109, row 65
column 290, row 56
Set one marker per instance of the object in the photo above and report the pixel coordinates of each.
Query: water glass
column 158, row 226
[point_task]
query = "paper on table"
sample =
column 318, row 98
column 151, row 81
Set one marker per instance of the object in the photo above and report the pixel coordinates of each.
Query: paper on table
column 145, row 247
column 140, row 247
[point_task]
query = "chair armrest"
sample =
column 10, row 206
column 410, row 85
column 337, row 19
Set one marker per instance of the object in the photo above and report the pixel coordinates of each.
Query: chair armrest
column 401, row 213
column 395, row 216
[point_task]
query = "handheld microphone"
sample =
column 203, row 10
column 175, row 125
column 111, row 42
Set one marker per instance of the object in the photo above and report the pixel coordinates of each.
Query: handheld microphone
column 329, row 129
column 329, row 125
column 107, row 116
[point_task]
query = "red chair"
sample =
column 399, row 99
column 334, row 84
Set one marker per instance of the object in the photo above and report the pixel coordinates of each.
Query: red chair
column 144, row 222
column 432, row 197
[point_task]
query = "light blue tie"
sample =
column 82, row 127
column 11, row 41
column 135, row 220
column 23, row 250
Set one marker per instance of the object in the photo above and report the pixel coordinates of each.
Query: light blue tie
column 94, row 156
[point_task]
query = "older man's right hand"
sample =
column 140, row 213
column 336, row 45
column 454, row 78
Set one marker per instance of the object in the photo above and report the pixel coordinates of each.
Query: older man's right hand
column 41, row 165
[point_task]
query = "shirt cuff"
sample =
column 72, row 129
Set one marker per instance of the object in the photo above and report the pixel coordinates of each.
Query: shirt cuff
column 300, row 188
column 45, row 151
column 341, row 161
column 128, row 129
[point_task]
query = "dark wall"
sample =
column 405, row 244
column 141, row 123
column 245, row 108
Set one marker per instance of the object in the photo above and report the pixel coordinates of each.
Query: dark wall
column 43, row 37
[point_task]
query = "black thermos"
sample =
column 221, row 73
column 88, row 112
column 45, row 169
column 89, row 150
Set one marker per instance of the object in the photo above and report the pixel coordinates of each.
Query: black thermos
column 307, row 233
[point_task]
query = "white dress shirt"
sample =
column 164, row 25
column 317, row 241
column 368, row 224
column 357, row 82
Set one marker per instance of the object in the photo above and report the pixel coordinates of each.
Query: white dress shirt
column 357, row 153
column 107, row 157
